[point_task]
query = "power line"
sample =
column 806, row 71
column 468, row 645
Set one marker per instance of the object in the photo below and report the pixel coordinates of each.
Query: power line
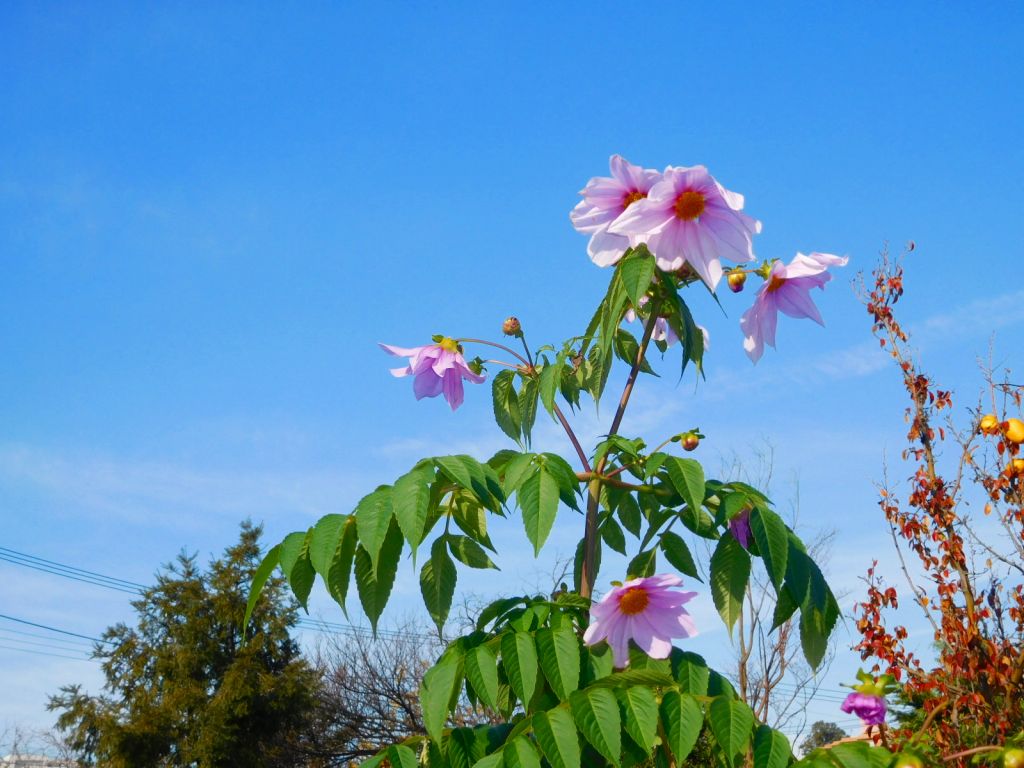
column 4, row 551
column 42, row 645
column 52, row 629
column 44, row 653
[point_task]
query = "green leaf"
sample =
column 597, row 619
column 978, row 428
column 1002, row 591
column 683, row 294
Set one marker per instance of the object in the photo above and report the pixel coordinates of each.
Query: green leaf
column 682, row 719
column 678, row 554
column 730, row 572
column 851, row 755
column 324, row 544
column 637, row 270
column 784, row 608
column 565, row 475
column 627, row 349
column 613, row 535
column 640, row 714
column 517, row 470
column 470, row 474
column 520, row 753
column 772, row 539
column 340, row 570
column 506, row 404
column 410, row 498
column 400, row 756
column 687, row 475
column 528, row 396
column 538, row 499
column 373, row 518
column 556, row 735
column 482, row 673
column 437, row 582
column 436, row 691
column 643, row 564
column 559, row 652
column 691, row 672
column 731, row 724
column 496, row 760
column 550, row 376
column 519, row 656
column 596, row 713
column 465, row 747
column 468, row 552
column 266, row 568
column 629, row 677
column 374, row 583
column 296, row 565
column 771, row 748
column 629, row 513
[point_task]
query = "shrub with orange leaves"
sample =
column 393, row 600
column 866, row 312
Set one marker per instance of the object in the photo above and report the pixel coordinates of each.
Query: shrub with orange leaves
column 969, row 583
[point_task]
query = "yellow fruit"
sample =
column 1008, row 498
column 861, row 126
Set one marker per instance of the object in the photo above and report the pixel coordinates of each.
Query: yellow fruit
column 989, row 424
column 1016, row 467
column 1013, row 758
column 1015, row 430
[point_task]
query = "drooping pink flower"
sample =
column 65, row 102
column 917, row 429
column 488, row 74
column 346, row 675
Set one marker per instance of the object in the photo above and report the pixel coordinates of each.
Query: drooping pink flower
column 869, row 708
column 739, row 527
column 438, row 368
column 646, row 611
column 787, row 290
column 604, row 200
column 689, row 218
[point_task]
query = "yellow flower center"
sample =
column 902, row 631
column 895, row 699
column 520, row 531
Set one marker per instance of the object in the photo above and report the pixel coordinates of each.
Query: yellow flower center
column 774, row 283
column 633, row 601
column 690, row 205
column 632, row 197
column 449, row 344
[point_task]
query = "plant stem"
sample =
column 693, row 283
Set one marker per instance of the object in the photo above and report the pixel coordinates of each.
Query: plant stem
column 966, row 752
column 496, row 345
column 587, row 573
column 573, row 439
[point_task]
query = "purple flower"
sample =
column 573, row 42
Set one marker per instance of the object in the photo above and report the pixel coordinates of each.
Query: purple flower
column 438, row 368
column 787, row 290
column 739, row 527
column 604, row 200
column 870, row 709
column 689, row 218
column 646, row 611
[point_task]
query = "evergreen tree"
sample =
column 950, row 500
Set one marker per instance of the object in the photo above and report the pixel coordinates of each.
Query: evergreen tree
column 822, row 734
column 181, row 689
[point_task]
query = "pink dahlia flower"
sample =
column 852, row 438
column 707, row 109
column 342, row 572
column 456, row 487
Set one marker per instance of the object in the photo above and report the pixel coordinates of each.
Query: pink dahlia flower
column 604, row 200
column 689, row 218
column 438, row 368
column 870, row 709
column 739, row 527
column 646, row 611
column 787, row 290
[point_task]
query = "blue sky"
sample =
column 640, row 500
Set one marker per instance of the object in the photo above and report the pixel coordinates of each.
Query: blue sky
column 209, row 217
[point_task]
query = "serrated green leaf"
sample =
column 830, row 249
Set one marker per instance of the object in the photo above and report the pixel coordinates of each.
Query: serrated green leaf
column 851, row 755
column 629, row 513
column 731, row 723
column 400, row 756
column 374, row 583
column 410, row 500
column 373, row 518
column 506, row 404
column 643, row 564
column 629, row 677
column 772, row 539
column 687, row 475
column 596, row 713
column 529, row 393
column 784, row 608
column 339, row 572
column 263, row 571
column 556, row 735
column 476, row 478
column 682, row 719
column 640, row 714
column 565, row 476
column 468, row 552
column 678, row 554
column 538, row 500
column 771, row 748
column 690, row 671
column 637, row 270
column 517, row 470
column 437, row 582
column 324, row 544
column 436, row 691
column 482, row 673
column 296, row 565
column 559, row 653
column 520, row 753
column 730, row 572
column 550, row 376
column 495, row 760
column 612, row 535
column 519, row 657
